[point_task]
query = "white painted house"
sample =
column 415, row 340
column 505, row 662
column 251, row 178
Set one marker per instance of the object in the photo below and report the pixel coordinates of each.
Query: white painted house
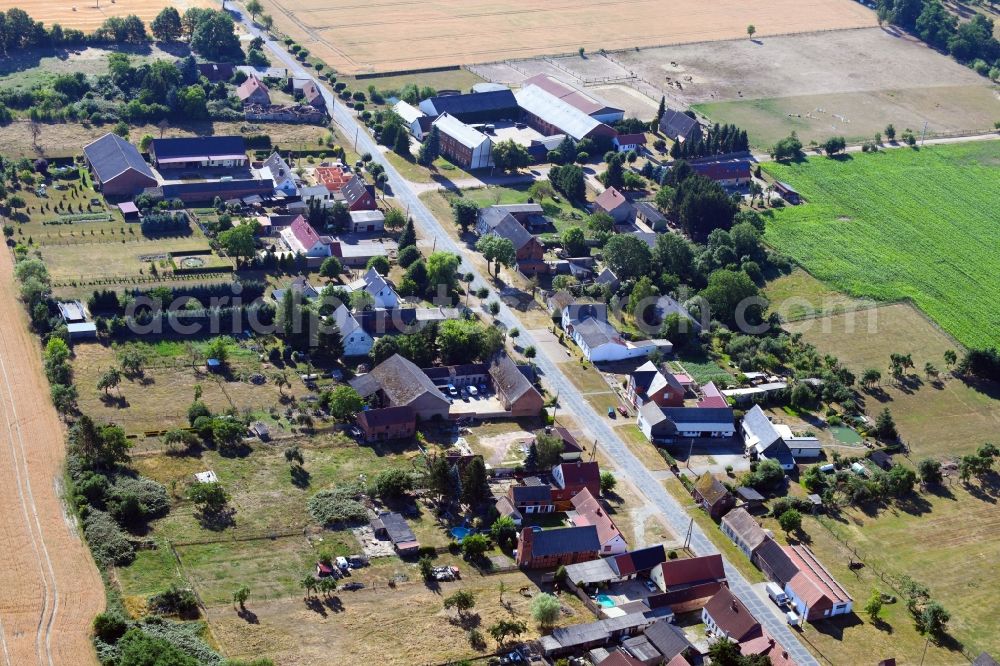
column 357, row 341
column 382, row 293
column 411, row 115
column 300, row 238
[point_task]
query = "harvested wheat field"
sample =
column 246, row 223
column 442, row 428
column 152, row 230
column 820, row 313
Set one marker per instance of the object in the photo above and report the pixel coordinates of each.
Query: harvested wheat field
column 356, row 36
column 89, row 14
column 51, row 588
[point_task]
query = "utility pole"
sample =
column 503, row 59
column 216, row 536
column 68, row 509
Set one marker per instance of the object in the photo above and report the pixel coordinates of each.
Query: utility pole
column 923, row 134
column 687, row 537
column 690, row 451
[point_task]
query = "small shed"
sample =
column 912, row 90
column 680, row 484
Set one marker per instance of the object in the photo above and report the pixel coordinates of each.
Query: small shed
column 882, row 459
column 84, row 330
column 260, row 430
column 214, row 365
column 749, row 499
column 816, row 502
column 206, row 477
column 129, row 210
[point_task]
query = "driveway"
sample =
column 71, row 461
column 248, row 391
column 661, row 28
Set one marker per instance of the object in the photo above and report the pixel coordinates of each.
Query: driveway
column 547, row 343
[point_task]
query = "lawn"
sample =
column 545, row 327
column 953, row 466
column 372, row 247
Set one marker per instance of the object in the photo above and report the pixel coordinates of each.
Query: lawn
column 948, row 418
column 963, row 528
column 942, row 200
column 700, row 366
column 123, row 258
column 799, row 295
column 563, row 214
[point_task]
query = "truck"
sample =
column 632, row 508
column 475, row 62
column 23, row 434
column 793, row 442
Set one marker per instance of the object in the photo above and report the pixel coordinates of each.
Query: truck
column 777, row 595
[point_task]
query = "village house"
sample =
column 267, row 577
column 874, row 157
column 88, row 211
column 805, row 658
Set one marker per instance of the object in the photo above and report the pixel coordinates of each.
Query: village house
column 357, row 341
column 413, row 117
column 463, row 144
column 300, row 238
column 813, row 592
column 345, row 186
column 688, row 583
column 615, row 568
column 216, row 71
column 601, row 342
column 725, row 615
column 529, row 251
column 506, row 509
column 624, row 143
column 678, row 126
column 651, row 384
column 300, row 286
column 198, row 152
column 117, row 167
column 391, row 526
column 397, row 382
column 253, row 91
column 382, row 293
column 282, row 175
column 313, row 96
column 787, row 192
column 388, row 423
column 732, row 172
column 533, row 496
column 517, row 394
column 587, row 510
column 569, row 478
column 355, row 252
column 545, row 549
column 660, row 424
column 615, row 204
column 743, row 530
column 713, row 497
column 769, row 441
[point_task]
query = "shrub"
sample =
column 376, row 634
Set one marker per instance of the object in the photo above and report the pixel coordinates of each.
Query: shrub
column 407, row 256
column 338, row 505
column 134, row 499
column 107, row 540
column 175, row 600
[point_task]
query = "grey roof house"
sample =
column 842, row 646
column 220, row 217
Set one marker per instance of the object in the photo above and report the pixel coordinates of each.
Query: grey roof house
column 679, row 126
column 398, row 382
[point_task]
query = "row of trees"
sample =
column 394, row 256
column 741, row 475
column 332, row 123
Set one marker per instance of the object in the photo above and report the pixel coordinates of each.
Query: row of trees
column 971, row 41
column 718, row 140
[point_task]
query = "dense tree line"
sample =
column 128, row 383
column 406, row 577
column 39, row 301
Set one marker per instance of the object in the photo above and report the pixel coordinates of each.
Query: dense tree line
column 970, row 42
column 718, row 140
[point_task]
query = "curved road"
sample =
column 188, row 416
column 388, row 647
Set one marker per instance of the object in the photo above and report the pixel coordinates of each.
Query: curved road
column 50, row 589
column 569, row 397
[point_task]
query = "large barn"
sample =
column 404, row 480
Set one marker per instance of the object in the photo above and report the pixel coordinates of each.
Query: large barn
column 117, row 167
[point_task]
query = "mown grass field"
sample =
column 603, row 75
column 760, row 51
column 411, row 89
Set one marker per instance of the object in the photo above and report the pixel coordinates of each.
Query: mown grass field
column 918, row 224
column 942, row 419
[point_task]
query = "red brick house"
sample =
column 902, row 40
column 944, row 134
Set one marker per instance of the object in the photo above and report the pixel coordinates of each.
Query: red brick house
column 378, row 425
column 545, row 549
column 515, row 392
column 254, row 91
column 689, row 583
column 651, row 384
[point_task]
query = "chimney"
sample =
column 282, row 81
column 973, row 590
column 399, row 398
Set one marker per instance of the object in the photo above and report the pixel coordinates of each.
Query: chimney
column 736, row 609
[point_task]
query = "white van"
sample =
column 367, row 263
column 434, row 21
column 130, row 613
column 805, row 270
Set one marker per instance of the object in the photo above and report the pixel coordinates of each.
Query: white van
column 792, row 618
column 776, row 593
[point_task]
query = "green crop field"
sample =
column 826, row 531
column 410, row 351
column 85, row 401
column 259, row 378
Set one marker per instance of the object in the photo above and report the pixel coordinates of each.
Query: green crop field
column 918, row 224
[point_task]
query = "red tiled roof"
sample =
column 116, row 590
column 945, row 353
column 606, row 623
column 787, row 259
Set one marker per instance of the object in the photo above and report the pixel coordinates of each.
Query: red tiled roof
column 813, row 582
column 712, row 397
column 619, row 658
column 692, row 570
column 580, row 474
column 303, row 232
column 590, row 512
column 610, row 199
column 631, row 139
column 250, row 86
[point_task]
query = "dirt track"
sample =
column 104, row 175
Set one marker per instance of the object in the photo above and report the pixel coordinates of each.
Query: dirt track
column 51, row 589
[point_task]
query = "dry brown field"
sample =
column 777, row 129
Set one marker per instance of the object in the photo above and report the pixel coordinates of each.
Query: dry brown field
column 387, row 35
column 51, row 588
column 89, row 14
